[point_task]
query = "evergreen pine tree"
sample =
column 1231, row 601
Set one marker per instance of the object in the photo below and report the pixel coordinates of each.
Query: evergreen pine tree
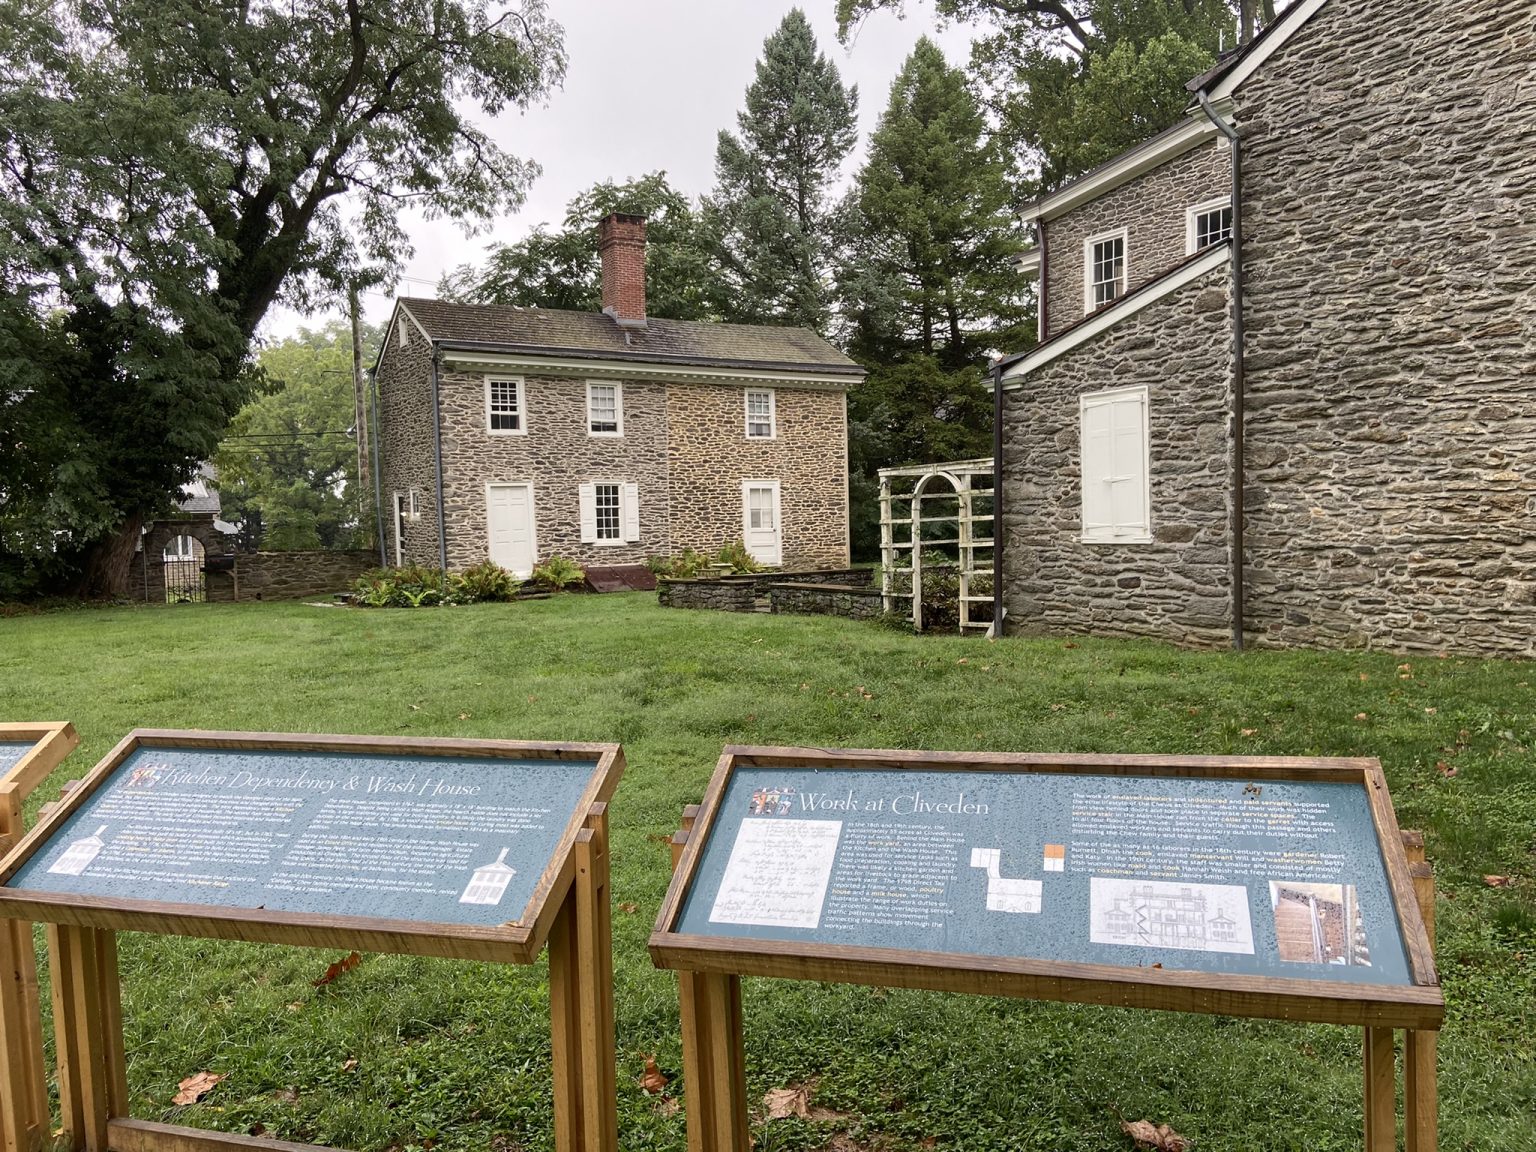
column 770, row 219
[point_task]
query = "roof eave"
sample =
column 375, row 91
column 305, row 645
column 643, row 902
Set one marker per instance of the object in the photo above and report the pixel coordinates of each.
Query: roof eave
column 853, row 371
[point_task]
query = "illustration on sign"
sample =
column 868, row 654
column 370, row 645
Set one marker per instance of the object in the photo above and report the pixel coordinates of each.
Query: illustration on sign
column 489, row 883
column 1319, row 923
column 778, row 873
column 1005, row 895
column 1190, row 917
column 77, row 858
column 771, row 801
column 1055, row 857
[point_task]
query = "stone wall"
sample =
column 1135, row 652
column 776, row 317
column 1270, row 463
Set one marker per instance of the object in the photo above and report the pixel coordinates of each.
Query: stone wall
column 728, row 594
column 1177, row 586
column 558, row 455
column 1390, row 194
column 710, row 456
column 407, row 458
column 289, row 575
column 1152, row 208
column 851, row 601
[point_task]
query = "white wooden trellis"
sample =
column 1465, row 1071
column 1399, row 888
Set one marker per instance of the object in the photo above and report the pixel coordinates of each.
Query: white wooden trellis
column 958, row 495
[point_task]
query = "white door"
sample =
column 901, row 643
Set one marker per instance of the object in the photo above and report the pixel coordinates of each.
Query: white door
column 760, row 522
column 509, row 526
column 399, row 529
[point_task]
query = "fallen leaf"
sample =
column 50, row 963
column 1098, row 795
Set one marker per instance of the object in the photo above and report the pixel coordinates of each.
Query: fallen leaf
column 1154, row 1137
column 1069, row 645
column 1499, row 881
column 629, row 908
column 962, row 660
column 1361, row 716
column 463, row 715
column 1430, row 711
column 415, row 707
column 1250, row 731
column 1446, row 770
column 653, row 1081
column 1364, row 676
column 667, row 1106
column 1057, row 707
column 782, row 1103
column 194, row 1088
column 288, row 1095
column 340, row 968
column 349, row 1065
column 1193, row 711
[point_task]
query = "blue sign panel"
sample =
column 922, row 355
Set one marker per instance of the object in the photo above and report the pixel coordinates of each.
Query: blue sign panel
column 11, row 752
column 1267, row 878
column 438, row 839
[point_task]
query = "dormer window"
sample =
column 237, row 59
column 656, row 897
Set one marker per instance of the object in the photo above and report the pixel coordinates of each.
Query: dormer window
column 1104, row 278
column 1208, row 224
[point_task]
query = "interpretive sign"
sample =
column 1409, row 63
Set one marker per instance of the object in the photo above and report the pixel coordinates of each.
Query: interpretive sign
column 471, row 849
column 1223, row 875
column 1242, row 886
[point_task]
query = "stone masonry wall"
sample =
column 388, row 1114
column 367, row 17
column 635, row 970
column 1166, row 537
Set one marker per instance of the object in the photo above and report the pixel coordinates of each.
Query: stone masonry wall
column 1153, row 209
column 1177, row 586
column 290, row 575
column 1390, row 199
column 557, row 455
column 726, row 595
column 407, row 458
column 711, row 455
column 854, row 603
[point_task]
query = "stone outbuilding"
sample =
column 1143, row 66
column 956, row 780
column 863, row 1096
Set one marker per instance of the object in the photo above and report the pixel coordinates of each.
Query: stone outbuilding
column 606, row 437
column 1307, row 415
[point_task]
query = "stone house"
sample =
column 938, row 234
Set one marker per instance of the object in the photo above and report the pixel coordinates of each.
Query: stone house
column 1306, row 416
column 607, row 437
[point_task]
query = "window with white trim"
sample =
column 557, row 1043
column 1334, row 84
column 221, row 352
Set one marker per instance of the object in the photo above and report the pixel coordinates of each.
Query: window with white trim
column 505, row 410
column 760, row 414
column 610, row 512
column 605, row 408
column 1104, row 270
column 1207, row 224
column 1115, row 467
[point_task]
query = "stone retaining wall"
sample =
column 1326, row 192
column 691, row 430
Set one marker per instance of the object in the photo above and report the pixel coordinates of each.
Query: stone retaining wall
column 853, row 602
column 729, row 594
column 289, row 575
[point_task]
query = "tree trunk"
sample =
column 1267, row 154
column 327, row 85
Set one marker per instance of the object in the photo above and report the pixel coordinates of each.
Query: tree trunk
column 108, row 564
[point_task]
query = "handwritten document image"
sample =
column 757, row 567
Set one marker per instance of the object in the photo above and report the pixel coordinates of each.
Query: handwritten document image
column 778, row 873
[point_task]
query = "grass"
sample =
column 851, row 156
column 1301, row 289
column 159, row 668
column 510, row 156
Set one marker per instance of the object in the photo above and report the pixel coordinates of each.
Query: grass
column 404, row 1053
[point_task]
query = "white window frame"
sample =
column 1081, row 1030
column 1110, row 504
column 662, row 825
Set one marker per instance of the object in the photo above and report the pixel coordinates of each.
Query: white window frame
column 522, row 406
column 629, row 512
column 618, row 408
column 1124, row 236
column 773, row 413
column 1193, row 213
column 1110, row 534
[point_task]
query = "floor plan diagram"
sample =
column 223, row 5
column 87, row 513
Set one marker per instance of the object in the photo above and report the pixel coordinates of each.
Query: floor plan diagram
column 1005, row 895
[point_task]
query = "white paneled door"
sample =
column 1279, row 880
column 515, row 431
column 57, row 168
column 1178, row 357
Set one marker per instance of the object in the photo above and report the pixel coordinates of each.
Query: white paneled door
column 761, row 527
column 509, row 525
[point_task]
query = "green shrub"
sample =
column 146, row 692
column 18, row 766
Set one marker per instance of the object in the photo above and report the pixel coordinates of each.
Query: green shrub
column 736, row 555
column 485, row 582
column 941, row 591
column 557, row 574
column 685, row 565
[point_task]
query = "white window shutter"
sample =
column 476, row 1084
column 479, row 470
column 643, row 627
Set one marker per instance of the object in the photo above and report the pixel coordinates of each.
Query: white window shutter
column 631, row 513
column 589, row 514
column 1098, row 471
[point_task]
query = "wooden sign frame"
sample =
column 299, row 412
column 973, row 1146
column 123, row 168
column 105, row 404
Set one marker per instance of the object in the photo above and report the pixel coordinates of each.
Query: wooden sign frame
column 23, row 1079
column 569, row 909
column 709, row 967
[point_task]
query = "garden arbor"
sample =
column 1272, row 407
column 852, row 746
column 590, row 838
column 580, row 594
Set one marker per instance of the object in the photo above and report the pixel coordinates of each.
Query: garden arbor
column 936, row 522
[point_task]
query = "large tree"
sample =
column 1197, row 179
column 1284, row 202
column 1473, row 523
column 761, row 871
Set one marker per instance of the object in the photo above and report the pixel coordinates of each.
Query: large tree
column 287, row 469
column 1070, row 83
column 168, row 172
column 930, row 289
column 771, row 213
column 560, row 269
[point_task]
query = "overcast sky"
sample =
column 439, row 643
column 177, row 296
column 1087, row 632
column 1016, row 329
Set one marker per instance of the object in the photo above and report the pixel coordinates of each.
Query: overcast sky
column 649, row 85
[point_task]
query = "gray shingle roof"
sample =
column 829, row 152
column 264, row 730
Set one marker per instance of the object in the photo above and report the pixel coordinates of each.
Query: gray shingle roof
column 560, row 332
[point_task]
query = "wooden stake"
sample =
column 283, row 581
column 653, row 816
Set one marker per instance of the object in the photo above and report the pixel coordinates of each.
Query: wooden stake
column 594, row 941
column 1380, row 1090
column 565, row 1030
column 1421, row 1087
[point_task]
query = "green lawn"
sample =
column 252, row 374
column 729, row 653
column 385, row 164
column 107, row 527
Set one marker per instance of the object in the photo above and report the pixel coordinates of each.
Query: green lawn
column 456, row 1056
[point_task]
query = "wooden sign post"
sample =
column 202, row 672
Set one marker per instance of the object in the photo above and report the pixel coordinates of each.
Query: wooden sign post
column 28, row 753
column 1242, row 886
column 473, row 850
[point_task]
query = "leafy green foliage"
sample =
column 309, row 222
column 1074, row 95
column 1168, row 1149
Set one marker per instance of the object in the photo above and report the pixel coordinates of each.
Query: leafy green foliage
column 169, row 171
column 684, row 565
column 486, row 582
column 769, row 219
column 417, row 586
column 736, row 555
column 560, row 269
column 558, row 573
column 287, row 469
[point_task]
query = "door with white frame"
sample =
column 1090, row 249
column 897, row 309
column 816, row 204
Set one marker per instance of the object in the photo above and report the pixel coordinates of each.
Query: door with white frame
column 509, row 527
column 761, row 525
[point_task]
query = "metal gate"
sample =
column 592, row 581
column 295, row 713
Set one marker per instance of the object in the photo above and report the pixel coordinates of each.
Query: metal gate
column 182, row 565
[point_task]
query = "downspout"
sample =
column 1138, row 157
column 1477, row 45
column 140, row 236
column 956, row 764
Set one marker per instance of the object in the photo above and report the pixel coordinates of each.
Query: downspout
column 1239, row 471
column 997, row 498
column 378, row 481
column 1044, row 317
column 437, row 444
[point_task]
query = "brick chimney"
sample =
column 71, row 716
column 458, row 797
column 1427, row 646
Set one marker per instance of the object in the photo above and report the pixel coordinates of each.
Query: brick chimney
column 621, row 243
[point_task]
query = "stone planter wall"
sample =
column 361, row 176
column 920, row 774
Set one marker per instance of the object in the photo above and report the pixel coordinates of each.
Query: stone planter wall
column 289, row 575
column 850, row 601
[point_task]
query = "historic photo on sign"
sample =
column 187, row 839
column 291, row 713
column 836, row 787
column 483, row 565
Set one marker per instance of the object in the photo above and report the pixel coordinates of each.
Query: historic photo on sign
column 1319, row 923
